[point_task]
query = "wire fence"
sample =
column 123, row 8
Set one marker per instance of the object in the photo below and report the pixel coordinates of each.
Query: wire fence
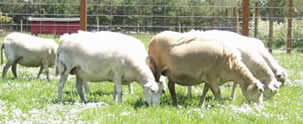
column 149, row 17
column 144, row 18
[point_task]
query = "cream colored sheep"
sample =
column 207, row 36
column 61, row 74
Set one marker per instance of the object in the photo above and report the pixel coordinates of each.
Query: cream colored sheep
column 105, row 56
column 28, row 51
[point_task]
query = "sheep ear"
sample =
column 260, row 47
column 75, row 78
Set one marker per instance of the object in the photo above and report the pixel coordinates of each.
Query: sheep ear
column 260, row 86
column 153, row 86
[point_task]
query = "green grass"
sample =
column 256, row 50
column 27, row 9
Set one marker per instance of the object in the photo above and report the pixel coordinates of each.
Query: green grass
column 29, row 100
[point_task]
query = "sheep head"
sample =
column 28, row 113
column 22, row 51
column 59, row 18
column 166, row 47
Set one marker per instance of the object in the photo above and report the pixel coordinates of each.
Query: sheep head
column 152, row 92
column 253, row 92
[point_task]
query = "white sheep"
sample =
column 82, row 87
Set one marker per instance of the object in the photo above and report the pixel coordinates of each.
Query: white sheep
column 28, row 51
column 105, row 56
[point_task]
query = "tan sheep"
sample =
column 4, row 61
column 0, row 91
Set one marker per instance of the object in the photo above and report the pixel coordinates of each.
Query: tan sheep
column 197, row 60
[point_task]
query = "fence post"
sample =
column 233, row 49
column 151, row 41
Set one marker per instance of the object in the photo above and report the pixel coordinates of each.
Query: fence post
column 97, row 20
column 83, row 15
column 289, row 27
column 236, row 20
column 213, row 21
column 245, row 17
column 256, row 18
column 21, row 25
column 226, row 19
column 270, row 25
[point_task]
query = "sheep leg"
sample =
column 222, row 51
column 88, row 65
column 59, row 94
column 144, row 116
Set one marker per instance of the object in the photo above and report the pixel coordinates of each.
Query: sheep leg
column 14, row 66
column 14, row 70
column 118, row 87
column 202, row 99
column 115, row 93
column 171, row 87
column 118, row 93
column 217, row 93
column 45, row 66
column 47, row 73
column 40, row 71
column 62, row 81
column 130, row 89
column 79, row 85
column 233, row 92
column 215, row 88
column 5, row 69
column 86, row 88
column 189, row 91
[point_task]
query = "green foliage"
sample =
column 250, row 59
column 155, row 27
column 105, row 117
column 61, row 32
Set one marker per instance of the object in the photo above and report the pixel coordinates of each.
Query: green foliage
column 280, row 33
column 5, row 19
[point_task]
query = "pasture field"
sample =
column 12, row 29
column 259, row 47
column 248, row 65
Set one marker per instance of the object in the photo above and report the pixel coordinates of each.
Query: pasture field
column 30, row 100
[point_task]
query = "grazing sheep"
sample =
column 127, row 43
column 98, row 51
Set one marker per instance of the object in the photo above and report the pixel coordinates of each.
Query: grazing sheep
column 28, row 51
column 253, row 55
column 105, row 56
column 280, row 73
column 247, row 45
column 195, row 60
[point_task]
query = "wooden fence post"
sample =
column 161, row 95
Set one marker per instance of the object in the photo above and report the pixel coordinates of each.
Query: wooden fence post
column 270, row 25
column 235, row 20
column 289, row 39
column 83, row 15
column 256, row 18
column 245, row 17
column 213, row 21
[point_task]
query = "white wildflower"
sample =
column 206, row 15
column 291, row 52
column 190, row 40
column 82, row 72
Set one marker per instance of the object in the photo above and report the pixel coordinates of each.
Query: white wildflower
column 280, row 117
column 180, row 106
column 125, row 113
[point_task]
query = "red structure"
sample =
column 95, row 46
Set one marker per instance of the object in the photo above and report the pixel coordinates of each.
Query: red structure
column 56, row 26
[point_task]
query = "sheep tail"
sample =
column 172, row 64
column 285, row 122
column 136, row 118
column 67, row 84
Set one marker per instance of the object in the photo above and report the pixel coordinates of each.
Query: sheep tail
column 2, row 47
column 150, row 61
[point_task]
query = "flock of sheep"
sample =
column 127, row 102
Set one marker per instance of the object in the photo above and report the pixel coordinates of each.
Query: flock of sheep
column 213, row 57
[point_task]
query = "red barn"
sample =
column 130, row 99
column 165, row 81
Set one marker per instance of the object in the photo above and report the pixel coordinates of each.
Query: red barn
column 56, row 26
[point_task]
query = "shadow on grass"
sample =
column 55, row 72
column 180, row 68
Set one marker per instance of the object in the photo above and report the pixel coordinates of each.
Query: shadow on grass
column 100, row 93
column 9, row 78
column 140, row 104
column 66, row 101
column 185, row 101
column 72, row 96
column 28, row 78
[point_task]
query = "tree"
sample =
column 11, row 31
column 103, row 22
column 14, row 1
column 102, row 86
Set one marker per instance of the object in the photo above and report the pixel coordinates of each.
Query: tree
column 4, row 19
